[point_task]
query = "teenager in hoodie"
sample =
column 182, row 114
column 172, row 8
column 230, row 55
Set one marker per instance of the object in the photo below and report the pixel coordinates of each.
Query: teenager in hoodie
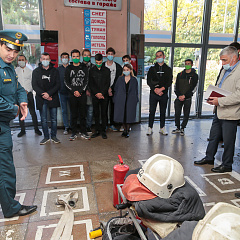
column 46, row 83
column 76, row 81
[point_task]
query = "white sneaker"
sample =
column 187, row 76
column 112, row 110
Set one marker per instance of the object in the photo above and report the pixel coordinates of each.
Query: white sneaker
column 163, row 131
column 150, row 131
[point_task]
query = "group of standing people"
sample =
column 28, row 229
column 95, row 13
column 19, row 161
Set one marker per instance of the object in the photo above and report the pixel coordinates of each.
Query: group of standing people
column 91, row 90
column 159, row 79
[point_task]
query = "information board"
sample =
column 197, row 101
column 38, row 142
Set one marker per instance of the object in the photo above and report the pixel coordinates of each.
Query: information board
column 95, row 31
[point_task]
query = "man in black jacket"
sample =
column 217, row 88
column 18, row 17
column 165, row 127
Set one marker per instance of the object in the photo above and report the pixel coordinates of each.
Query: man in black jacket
column 116, row 71
column 76, row 80
column 99, row 83
column 184, row 88
column 46, row 83
column 159, row 79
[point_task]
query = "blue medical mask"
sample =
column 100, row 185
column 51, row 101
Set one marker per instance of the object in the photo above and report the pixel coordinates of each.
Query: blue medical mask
column 65, row 61
column 110, row 57
column 45, row 63
column 126, row 73
column 125, row 63
column 226, row 66
column 159, row 60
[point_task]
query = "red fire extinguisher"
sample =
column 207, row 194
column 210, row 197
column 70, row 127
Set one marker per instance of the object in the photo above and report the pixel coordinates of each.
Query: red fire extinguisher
column 119, row 172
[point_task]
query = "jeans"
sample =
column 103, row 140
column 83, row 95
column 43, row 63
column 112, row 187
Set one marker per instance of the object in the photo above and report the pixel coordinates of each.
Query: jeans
column 154, row 99
column 100, row 107
column 53, row 116
column 31, row 107
column 227, row 130
column 64, row 101
column 178, row 105
column 89, row 116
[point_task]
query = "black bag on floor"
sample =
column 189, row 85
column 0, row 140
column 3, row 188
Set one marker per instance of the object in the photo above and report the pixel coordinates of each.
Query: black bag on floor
column 120, row 228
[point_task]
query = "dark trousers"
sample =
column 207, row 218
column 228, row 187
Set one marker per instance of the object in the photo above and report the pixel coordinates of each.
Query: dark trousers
column 31, row 108
column 78, row 108
column 227, row 130
column 100, row 107
column 154, row 99
column 111, row 110
column 7, row 173
column 178, row 105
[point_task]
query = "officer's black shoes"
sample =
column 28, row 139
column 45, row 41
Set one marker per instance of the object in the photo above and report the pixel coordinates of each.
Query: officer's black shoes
column 221, row 169
column 22, row 133
column 24, row 210
column 38, row 132
column 204, row 161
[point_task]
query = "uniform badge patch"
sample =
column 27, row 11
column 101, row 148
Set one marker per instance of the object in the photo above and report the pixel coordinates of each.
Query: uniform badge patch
column 7, row 80
column 18, row 35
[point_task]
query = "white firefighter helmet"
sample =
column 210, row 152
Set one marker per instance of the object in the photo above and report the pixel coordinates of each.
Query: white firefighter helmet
column 161, row 175
column 222, row 222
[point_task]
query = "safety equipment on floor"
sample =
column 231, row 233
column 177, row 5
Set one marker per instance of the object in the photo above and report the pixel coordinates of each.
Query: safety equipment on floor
column 65, row 224
column 134, row 191
column 97, row 232
column 120, row 228
column 161, row 175
column 119, row 172
column 221, row 222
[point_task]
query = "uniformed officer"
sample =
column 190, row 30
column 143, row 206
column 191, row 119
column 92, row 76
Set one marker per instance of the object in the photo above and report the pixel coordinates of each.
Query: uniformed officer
column 13, row 99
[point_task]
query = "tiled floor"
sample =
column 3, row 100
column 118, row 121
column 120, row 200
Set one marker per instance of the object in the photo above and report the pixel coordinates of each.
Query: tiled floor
column 86, row 166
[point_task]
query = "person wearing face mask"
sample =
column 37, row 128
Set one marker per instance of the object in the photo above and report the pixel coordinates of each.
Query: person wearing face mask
column 127, row 60
column 125, row 99
column 63, row 92
column 76, row 81
column 227, row 112
column 86, row 55
column 159, row 79
column 25, row 78
column 46, row 83
column 184, row 88
column 99, row 82
column 116, row 71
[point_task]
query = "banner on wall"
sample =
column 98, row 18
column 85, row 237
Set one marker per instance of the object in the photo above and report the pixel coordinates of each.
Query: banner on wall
column 96, row 4
column 95, row 31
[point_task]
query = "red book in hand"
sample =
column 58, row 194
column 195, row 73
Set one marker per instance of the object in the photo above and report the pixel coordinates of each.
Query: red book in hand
column 216, row 94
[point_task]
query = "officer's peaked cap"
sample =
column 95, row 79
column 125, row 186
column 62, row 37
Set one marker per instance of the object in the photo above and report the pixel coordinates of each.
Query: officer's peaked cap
column 13, row 39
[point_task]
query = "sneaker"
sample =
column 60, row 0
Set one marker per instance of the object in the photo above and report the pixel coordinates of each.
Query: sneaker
column 65, row 132
column 85, row 135
column 121, row 129
column 163, row 131
column 96, row 134
column 22, row 133
column 38, row 132
column 44, row 141
column 73, row 137
column 113, row 128
column 182, row 132
column 150, row 131
column 104, row 135
column 89, row 130
column 177, row 130
column 55, row 140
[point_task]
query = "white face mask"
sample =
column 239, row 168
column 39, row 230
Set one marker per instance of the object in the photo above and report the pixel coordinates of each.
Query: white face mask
column 65, row 61
column 45, row 63
column 22, row 64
